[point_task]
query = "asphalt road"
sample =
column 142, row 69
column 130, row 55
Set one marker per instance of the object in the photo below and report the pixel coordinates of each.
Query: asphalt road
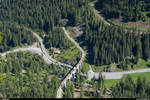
column 114, row 75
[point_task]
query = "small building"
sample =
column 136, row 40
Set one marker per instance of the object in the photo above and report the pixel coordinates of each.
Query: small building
column 56, row 52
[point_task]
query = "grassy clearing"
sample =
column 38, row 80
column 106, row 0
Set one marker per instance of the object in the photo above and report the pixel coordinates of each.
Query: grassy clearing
column 136, row 75
column 112, row 82
column 70, row 54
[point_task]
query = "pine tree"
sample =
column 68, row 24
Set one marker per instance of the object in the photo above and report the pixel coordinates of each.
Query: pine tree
column 82, row 93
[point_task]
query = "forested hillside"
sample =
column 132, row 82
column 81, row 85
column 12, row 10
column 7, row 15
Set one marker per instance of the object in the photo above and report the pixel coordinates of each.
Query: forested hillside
column 56, row 38
column 12, row 35
column 106, row 44
column 130, row 10
column 27, row 76
column 109, row 44
column 44, row 15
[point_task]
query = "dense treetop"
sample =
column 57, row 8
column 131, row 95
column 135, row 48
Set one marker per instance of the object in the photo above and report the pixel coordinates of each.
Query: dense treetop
column 128, row 88
column 45, row 16
column 106, row 44
column 39, row 14
column 109, row 44
column 130, row 10
column 27, row 76
column 12, row 35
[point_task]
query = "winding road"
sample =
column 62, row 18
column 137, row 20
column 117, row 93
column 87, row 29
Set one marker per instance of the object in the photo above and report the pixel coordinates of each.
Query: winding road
column 46, row 54
column 91, row 74
column 47, row 58
column 37, row 51
column 74, row 69
column 41, row 51
column 73, row 41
